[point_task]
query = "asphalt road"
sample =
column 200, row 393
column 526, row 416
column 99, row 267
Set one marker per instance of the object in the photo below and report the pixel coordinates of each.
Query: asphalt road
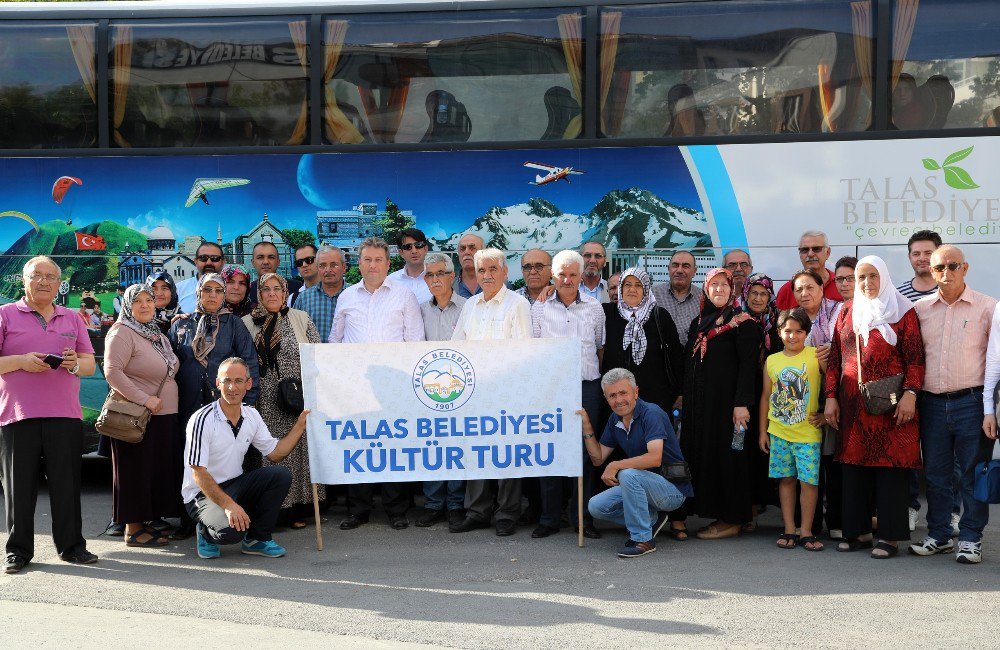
column 376, row 588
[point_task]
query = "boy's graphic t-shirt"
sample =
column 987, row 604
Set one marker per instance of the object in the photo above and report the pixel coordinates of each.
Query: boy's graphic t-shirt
column 795, row 386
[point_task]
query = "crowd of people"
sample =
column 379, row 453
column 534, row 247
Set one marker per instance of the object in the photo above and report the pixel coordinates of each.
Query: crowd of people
column 826, row 398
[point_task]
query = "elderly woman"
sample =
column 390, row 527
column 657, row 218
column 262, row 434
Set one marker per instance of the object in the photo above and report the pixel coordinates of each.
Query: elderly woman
column 238, row 298
column 877, row 451
column 44, row 350
column 277, row 332
column 807, row 287
column 140, row 366
column 722, row 359
column 165, row 299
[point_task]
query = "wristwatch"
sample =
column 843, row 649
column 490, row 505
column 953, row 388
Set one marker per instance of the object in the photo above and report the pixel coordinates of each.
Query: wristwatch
column 75, row 369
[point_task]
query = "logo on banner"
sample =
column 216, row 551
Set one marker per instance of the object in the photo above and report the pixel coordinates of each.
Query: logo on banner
column 444, row 379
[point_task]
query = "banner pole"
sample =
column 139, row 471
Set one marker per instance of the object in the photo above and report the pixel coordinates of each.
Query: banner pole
column 319, row 525
column 579, row 513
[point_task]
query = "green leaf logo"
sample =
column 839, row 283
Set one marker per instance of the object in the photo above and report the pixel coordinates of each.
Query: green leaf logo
column 954, row 176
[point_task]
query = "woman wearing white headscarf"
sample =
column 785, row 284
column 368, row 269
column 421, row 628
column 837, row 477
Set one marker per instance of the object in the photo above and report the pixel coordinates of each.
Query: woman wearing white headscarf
column 877, row 451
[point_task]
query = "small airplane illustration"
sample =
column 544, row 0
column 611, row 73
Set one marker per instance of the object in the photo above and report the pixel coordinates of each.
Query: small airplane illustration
column 552, row 173
column 203, row 186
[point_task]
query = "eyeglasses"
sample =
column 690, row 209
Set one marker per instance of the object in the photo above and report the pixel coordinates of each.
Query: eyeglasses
column 305, row 260
column 38, row 277
column 738, row 265
column 951, row 266
column 206, row 258
column 413, row 244
column 537, row 268
column 211, row 290
column 803, row 250
column 844, row 279
column 438, row 274
column 588, row 256
column 228, row 382
column 272, row 290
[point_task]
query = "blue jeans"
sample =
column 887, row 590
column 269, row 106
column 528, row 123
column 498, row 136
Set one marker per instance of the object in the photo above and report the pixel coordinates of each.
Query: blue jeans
column 635, row 502
column 951, row 430
column 437, row 493
column 956, row 506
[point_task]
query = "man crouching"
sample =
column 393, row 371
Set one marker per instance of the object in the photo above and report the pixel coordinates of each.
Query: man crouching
column 228, row 505
column 652, row 479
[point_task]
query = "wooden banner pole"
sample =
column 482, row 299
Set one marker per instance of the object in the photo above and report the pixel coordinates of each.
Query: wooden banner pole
column 579, row 514
column 319, row 524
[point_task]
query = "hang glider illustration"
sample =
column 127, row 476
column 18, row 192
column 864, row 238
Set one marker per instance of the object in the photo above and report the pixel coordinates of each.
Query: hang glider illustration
column 202, row 186
column 552, row 173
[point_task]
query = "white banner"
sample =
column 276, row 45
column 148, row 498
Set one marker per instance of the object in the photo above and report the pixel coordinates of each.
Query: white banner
column 442, row 410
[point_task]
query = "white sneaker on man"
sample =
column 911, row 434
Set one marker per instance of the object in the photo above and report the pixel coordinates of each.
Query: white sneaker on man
column 955, row 518
column 930, row 546
column 913, row 519
column 969, row 553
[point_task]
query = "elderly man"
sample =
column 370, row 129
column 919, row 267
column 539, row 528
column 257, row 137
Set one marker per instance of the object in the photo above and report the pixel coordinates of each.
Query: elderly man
column 265, row 259
column 680, row 297
column 814, row 251
column 413, row 247
column 442, row 499
column 737, row 261
column 466, row 284
column 536, row 269
column 613, row 282
column 919, row 249
column 570, row 312
column 955, row 325
column 44, row 350
column 320, row 300
column 595, row 257
column 305, row 264
column 651, row 480
column 229, row 505
column 495, row 314
column 209, row 258
column 376, row 310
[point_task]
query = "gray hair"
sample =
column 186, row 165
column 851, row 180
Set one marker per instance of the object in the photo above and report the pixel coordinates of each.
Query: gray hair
column 374, row 242
column 565, row 258
column 816, row 233
column 494, row 254
column 438, row 258
column 736, row 250
column 615, row 375
column 237, row 361
column 331, row 249
column 482, row 242
column 35, row 261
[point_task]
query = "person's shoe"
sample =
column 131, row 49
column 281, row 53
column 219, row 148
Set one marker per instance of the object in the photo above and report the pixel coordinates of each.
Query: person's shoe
column 430, row 517
column 270, row 548
column 591, row 532
column 352, row 522
column 955, row 518
column 206, row 549
column 468, row 524
column 183, row 532
column 913, row 519
column 661, row 521
column 540, row 531
column 399, row 522
column 455, row 517
column 969, row 553
column 159, row 524
column 14, row 563
column 82, row 556
column 115, row 530
column 635, row 549
column 719, row 531
column 930, row 546
column 506, row 528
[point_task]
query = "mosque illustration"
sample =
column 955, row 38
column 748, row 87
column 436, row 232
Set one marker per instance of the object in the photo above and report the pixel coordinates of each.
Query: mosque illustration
column 442, row 386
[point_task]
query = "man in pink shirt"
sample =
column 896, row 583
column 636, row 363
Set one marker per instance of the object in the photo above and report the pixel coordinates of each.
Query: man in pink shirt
column 44, row 350
column 814, row 251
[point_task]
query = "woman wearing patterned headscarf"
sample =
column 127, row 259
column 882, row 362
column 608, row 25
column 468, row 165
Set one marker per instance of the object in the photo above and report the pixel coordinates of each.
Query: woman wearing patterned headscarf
column 140, row 366
column 277, row 332
column 165, row 295
column 238, row 298
column 721, row 361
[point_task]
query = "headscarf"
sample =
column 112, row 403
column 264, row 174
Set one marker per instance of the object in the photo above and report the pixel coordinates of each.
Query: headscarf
column 882, row 311
column 714, row 321
column 246, row 305
column 208, row 322
column 149, row 331
column 165, row 315
column 769, row 317
column 268, row 339
column 635, row 318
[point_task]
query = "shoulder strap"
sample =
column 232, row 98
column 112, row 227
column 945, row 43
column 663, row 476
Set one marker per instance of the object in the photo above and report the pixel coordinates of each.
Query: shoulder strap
column 857, row 349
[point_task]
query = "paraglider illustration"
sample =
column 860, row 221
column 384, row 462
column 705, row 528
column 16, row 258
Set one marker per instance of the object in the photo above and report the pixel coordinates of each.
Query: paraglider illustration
column 20, row 215
column 61, row 186
column 202, row 186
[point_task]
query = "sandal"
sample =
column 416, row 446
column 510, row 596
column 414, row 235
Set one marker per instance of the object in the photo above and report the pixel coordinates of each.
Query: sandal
column 719, row 531
column 887, row 548
column 790, row 539
column 812, row 539
column 851, row 545
column 297, row 525
column 679, row 534
column 154, row 540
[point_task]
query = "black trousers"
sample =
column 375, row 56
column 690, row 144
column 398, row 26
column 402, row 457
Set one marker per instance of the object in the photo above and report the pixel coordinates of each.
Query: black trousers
column 27, row 448
column 831, row 488
column 885, row 488
column 259, row 493
column 360, row 496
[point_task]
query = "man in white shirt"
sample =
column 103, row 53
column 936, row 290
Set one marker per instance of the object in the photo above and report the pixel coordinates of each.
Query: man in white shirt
column 413, row 249
column 209, row 258
column 376, row 310
column 595, row 258
column 495, row 314
column 231, row 506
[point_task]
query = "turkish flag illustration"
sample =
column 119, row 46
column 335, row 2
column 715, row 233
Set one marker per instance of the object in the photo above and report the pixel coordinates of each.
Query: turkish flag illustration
column 85, row 242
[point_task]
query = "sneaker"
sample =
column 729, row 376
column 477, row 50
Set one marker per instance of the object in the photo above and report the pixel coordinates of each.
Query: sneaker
column 913, row 519
column 635, row 549
column 206, row 549
column 931, row 546
column 82, row 556
column 270, row 548
column 661, row 521
column 955, row 518
column 13, row 563
column 969, row 553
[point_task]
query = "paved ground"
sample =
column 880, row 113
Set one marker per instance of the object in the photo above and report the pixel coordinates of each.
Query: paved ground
column 376, row 587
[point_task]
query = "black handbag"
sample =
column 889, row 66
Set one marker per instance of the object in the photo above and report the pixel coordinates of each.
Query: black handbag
column 290, row 398
column 678, row 472
column 882, row 395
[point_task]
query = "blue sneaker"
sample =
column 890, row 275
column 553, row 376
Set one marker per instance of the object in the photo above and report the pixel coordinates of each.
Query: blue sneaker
column 270, row 548
column 635, row 549
column 206, row 549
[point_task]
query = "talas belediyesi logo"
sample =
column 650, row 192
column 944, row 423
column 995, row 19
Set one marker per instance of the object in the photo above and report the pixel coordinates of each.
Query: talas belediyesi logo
column 954, row 175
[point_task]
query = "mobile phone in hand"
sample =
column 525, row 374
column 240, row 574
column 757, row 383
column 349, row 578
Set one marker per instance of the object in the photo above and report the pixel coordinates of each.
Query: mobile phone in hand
column 53, row 360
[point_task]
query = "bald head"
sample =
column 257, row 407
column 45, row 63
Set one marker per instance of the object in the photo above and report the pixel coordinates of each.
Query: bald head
column 947, row 251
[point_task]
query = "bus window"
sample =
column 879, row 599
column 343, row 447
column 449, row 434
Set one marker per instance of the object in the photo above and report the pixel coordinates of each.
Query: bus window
column 945, row 69
column 720, row 68
column 455, row 77
column 209, row 83
column 47, row 85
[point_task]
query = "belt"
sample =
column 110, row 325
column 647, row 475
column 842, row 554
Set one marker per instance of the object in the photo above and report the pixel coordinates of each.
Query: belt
column 975, row 390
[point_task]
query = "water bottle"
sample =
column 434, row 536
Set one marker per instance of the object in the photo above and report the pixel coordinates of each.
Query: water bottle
column 676, row 413
column 739, row 432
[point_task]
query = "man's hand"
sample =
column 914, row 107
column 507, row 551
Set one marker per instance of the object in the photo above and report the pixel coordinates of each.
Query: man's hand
column 586, row 428
column 610, row 475
column 238, row 518
column 32, row 362
column 69, row 359
column 300, row 424
column 679, row 402
column 990, row 426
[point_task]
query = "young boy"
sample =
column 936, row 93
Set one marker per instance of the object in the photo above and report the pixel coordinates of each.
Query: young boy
column 789, row 425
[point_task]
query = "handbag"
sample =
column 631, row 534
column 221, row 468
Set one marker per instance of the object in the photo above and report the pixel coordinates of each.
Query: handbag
column 882, row 395
column 290, row 398
column 123, row 420
column 987, row 486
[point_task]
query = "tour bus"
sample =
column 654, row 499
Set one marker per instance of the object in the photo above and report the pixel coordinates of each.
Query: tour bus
column 131, row 132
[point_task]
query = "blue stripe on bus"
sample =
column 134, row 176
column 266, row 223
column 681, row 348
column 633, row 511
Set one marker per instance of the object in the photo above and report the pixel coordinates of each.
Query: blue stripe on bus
column 719, row 192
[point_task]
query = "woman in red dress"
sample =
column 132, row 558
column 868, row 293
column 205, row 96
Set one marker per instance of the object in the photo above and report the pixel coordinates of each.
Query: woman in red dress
column 877, row 451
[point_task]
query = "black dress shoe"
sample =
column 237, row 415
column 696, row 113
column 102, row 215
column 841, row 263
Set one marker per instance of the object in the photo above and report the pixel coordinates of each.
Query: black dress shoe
column 590, row 532
column 468, row 524
column 352, row 522
column 399, row 522
column 541, row 531
column 430, row 517
column 505, row 528
column 14, row 563
column 78, row 557
column 455, row 517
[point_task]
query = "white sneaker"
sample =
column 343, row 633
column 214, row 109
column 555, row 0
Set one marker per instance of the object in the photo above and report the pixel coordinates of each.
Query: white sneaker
column 955, row 518
column 930, row 546
column 913, row 519
column 969, row 553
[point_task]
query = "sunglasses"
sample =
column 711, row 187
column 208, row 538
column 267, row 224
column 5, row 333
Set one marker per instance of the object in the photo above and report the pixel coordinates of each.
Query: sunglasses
column 416, row 244
column 305, row 260
column 951, row 266
column 811, row 249
column 213, row 258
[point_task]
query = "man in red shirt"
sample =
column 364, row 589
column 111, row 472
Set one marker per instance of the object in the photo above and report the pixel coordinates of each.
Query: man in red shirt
column 814, row 251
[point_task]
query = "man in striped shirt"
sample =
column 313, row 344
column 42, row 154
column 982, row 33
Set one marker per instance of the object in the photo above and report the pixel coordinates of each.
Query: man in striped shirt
column 919, row 249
